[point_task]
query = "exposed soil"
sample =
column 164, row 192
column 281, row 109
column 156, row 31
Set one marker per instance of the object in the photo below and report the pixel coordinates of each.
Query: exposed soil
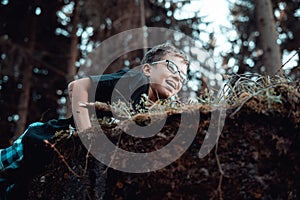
column 256, row 156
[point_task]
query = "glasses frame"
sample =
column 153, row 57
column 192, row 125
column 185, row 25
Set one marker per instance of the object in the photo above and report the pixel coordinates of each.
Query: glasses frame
column 183, row 77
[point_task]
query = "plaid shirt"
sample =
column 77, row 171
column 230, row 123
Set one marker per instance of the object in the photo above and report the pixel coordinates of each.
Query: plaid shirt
column 12, row 156
column 10, row 159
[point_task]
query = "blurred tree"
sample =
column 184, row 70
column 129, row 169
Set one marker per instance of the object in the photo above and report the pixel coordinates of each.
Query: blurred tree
column 30, row 66
column 287, row 15
column 66, row 32
column 268, row 36
column 24, row 99
column 247, row 50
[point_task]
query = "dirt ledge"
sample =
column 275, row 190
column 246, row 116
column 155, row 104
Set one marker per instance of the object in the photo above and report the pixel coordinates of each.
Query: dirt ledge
column 257, row 158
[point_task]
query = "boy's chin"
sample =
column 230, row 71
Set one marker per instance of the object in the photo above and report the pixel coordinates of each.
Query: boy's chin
column 166, row 94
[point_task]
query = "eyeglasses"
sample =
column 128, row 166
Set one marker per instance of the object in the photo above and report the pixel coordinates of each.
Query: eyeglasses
column 172, row 67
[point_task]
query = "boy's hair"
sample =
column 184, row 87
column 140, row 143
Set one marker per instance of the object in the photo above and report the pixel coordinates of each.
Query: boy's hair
column 157, row 52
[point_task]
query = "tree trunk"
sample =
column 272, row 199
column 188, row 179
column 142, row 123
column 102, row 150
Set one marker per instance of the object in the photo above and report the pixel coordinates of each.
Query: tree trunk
column 24, row 99
column 268, row 36
column 73, row 53
column 74, row 44
column 143, row 25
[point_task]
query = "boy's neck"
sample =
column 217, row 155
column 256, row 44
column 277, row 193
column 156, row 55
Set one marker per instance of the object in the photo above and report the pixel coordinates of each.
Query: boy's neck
column 152, row 95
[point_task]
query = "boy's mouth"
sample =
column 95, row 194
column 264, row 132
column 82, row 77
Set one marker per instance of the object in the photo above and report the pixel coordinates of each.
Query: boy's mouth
column 171, row 83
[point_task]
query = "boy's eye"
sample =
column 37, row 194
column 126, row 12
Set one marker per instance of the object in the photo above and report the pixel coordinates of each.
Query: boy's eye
column 173, row 67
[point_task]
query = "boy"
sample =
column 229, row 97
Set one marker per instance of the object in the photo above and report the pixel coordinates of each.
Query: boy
column 161, row 76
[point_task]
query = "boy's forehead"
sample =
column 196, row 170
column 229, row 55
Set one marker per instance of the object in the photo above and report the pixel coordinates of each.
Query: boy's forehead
column 174, row 56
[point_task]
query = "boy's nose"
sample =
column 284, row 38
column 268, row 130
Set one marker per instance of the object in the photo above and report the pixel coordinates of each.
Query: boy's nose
column 176, row 77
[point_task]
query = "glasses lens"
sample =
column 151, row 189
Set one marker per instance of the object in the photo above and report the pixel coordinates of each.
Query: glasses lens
column 174, row 69
column 183, row 77
column 172, row 66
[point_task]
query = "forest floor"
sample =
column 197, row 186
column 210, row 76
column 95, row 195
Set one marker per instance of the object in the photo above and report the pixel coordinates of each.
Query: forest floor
column 256, row 155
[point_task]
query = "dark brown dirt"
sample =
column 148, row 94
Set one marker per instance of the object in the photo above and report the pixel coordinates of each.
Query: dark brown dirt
column 258, row 153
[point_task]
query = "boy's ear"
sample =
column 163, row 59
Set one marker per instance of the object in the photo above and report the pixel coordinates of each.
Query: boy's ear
column 146, row 69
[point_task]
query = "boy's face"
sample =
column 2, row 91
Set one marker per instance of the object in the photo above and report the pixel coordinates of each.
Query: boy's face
column 166, row 81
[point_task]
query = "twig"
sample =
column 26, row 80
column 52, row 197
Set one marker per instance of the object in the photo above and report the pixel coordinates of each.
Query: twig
column 88, row 194
column 87, row 159
column 62, row 158
column 114, row 154
column 99, row 105
column 219, row 189
column 298, row 51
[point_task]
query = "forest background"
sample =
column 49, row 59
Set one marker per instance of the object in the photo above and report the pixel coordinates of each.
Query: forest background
column 43, row 44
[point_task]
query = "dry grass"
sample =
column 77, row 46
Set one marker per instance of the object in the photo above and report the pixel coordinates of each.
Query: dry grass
column 262, row 94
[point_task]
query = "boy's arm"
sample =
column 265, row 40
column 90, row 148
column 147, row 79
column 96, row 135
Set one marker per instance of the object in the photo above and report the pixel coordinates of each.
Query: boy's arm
column 78, row 93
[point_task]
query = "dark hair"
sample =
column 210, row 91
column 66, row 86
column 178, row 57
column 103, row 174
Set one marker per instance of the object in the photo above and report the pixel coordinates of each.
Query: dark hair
column 157, row 52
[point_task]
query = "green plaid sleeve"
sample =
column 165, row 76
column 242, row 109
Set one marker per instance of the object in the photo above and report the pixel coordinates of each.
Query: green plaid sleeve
column 12, row 156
